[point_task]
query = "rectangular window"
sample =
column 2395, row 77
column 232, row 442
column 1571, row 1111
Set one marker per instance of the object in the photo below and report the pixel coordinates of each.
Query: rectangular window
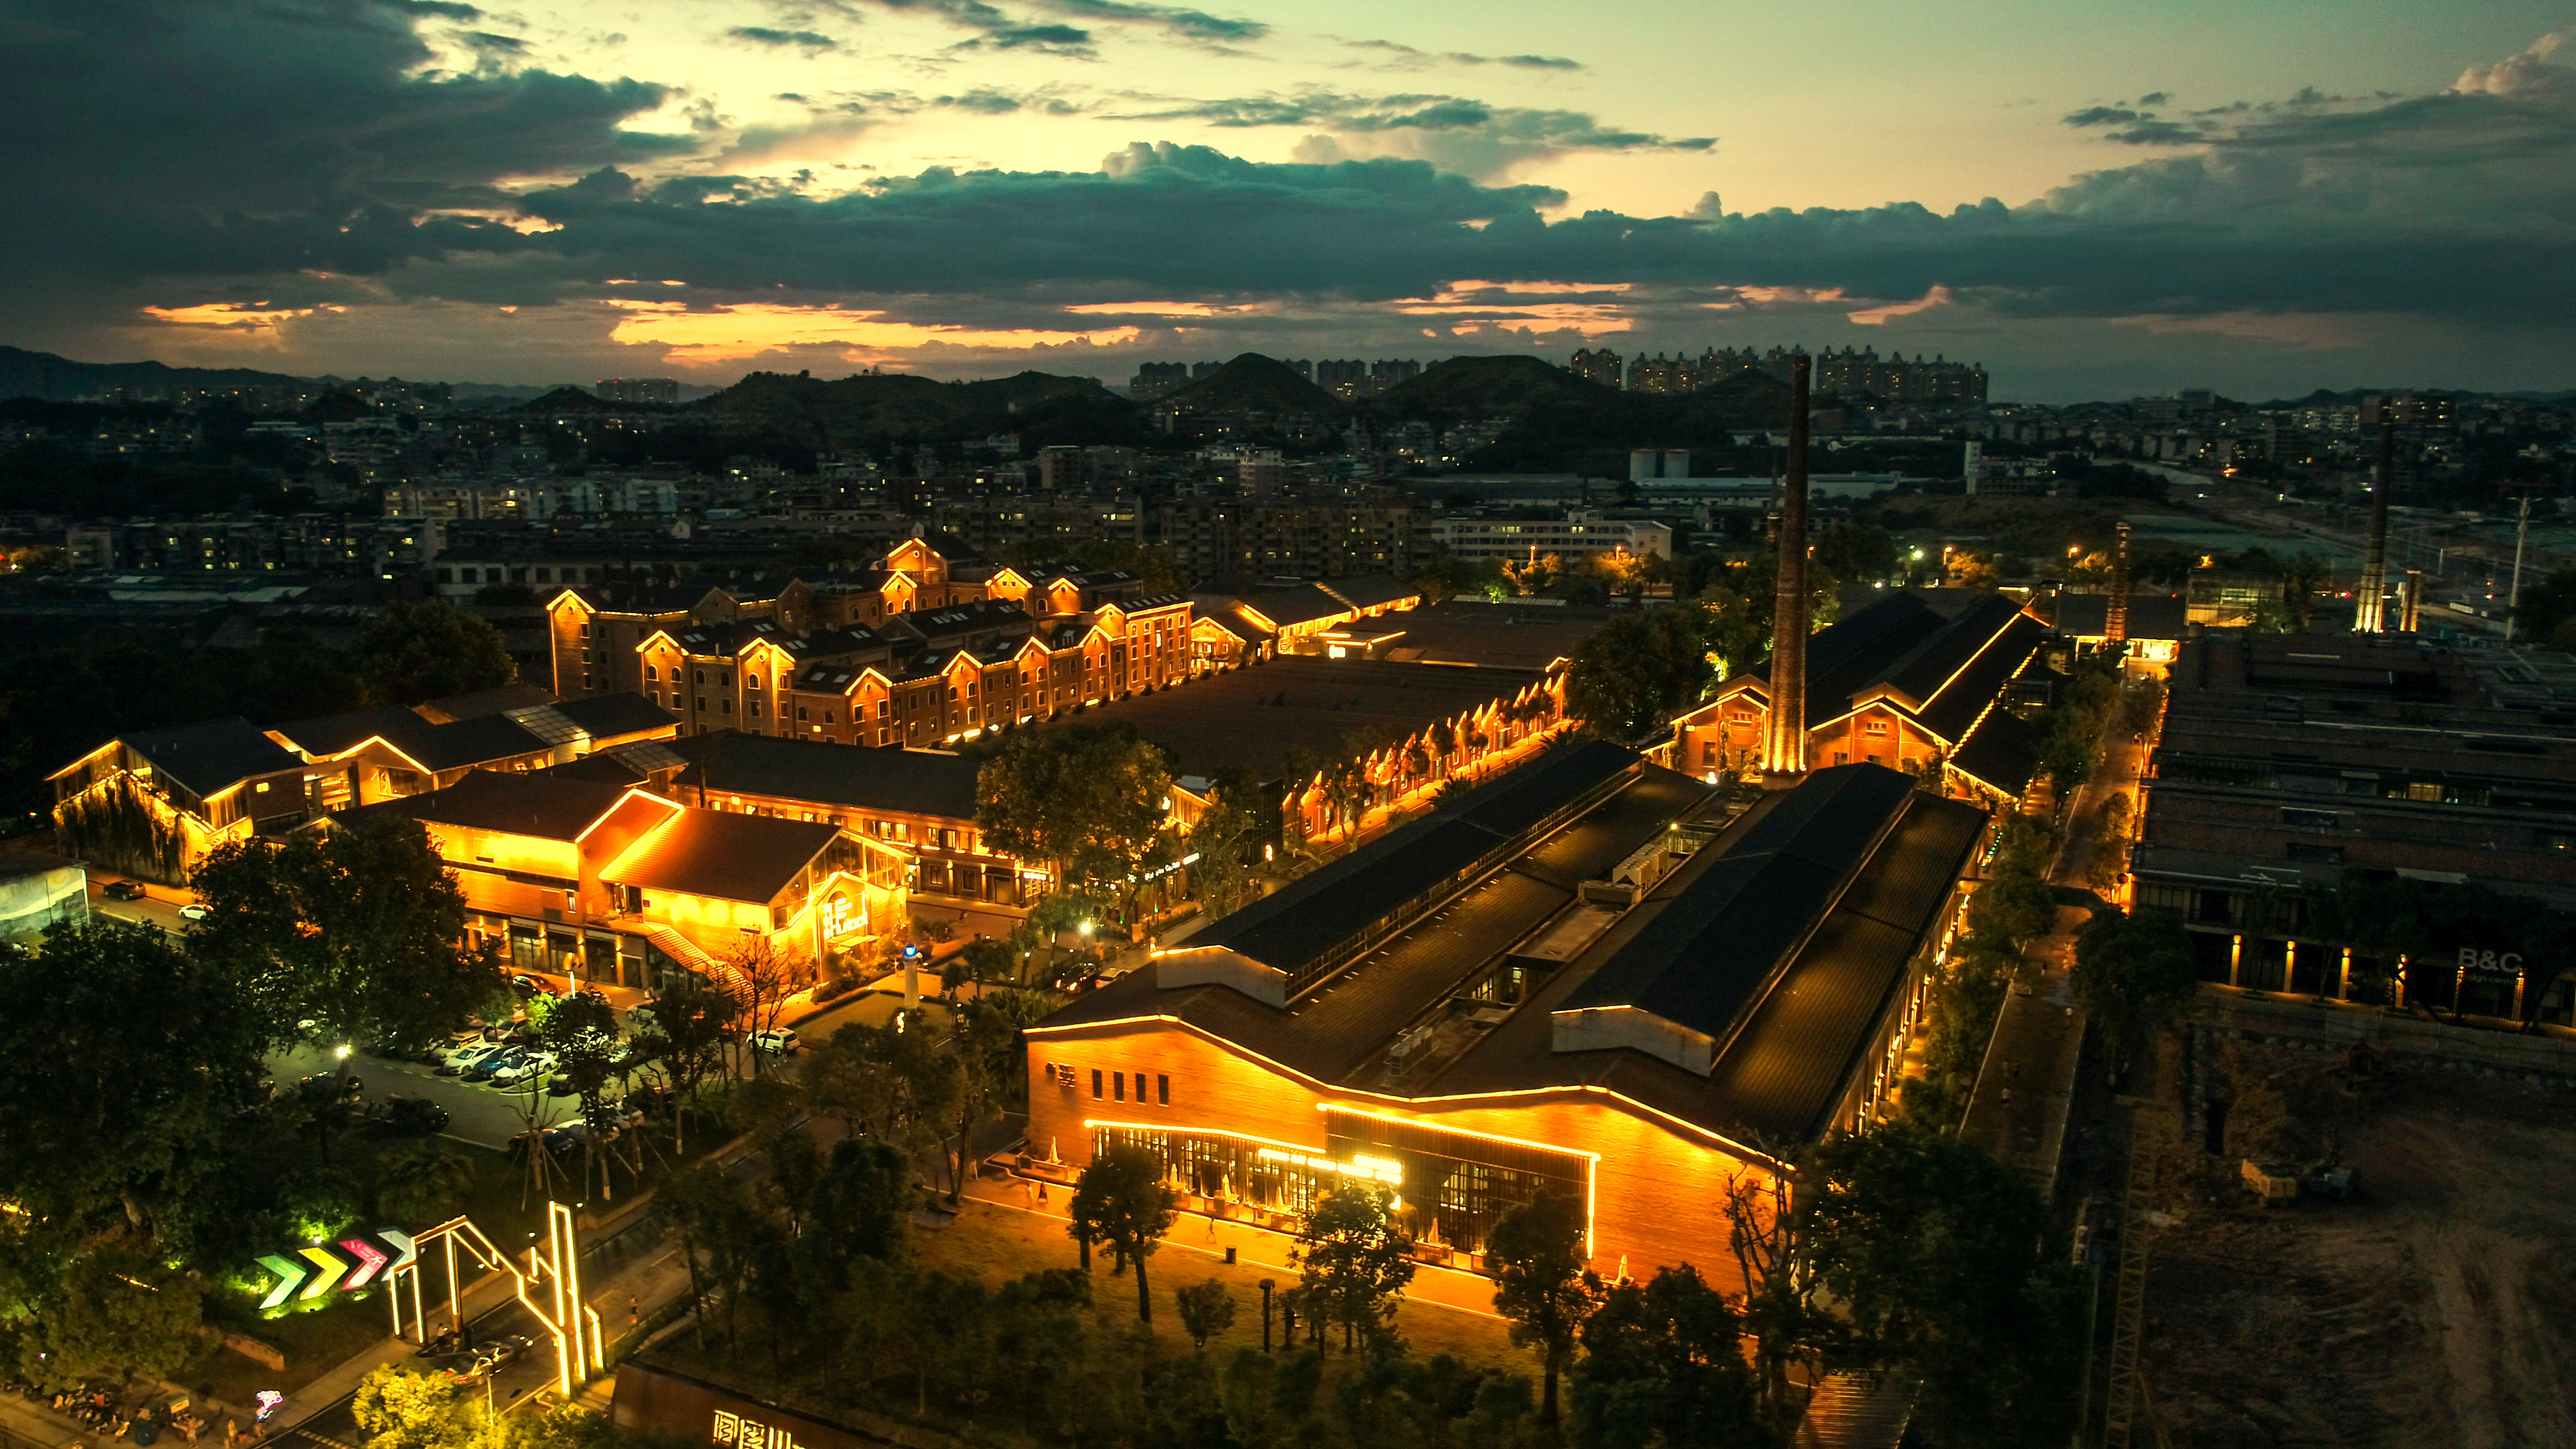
column 1163, row 1090
column 1140, row 1088
column 1118, row 1085
column 1095, row 1084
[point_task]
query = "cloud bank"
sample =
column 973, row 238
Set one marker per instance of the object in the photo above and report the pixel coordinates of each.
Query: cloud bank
column 370, row 175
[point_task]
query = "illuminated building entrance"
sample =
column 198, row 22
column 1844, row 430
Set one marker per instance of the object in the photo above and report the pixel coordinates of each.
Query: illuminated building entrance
column 1451, row 1186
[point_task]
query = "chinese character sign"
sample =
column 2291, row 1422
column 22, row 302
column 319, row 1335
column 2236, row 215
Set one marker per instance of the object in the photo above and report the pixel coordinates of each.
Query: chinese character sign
column 741, row 1433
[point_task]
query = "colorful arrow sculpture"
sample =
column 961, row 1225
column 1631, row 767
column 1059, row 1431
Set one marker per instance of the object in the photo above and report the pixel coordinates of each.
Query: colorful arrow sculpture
column 348, row 1264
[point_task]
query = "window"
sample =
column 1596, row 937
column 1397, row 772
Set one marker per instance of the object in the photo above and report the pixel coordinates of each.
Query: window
column 702, row 702
column 1118, row 1085
column 755, row 709
column 724, row 679
column 1140, row 1088
column 724, row 706
column 649, row 674
column 800, row 712
column 827, row 716
column 1163, row 1090
column 701, row 679
column 1095, row 1082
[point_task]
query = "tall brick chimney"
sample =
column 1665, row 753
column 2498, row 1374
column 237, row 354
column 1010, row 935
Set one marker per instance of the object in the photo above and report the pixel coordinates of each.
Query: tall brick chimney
column 2115, row 614
column 1784, row 745
column 2367, row 598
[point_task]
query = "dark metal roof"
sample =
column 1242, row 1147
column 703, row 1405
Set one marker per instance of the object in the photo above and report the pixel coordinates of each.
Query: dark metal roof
column 613, row 716
column 1321, row 910
column 1299, row 605
column 1980, row 681
column 1927, row 666
column 1370, row 591
column 1830, row 817
column 909, row 782
column 206, row 759
column 465, row 742
column 2003, row 754
column 1710, row 950
column 722, row 855
column 2151, row 616
column 545, row 804
column 1555, row 780
column 329, row 734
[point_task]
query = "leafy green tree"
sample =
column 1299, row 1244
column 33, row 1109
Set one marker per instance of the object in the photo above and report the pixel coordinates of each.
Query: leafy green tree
column 1637, row 669
column 1938, row 1257
column 135, row 1059
column 1224, row 840
column 2546, row 607
column 420, row 1183
column 2130, row 970
column 428, row 649
column 2013, row 907
column 1121, row 1202
column 1354, row 1261
column 1850, row 549
column 360, row 931
column 1094, row 801
column 1663, row 1365
column 1207, row 1310
column 106, row 1308
column 1535, row 1257
column 401, row 1409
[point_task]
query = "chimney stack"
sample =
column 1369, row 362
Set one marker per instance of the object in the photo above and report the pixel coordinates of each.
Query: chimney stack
column 1784, row 747
column 2411, row 619
column 2366, row 613
column 2115, row 615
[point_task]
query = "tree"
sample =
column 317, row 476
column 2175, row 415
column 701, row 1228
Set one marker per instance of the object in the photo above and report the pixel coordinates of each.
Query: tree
column 1535, row 1257
column 359, row 931
column 401, row 1409
column 1777, row 1307
column 1353, row 1260
column 1207, row 1310
column 2129, row 970
column 1637, row 669
column 1661, row 1366
column 422, row 1182
column 1938, row 1257
column 1223, row 842
column 1095, row 801
column 1849, row 549
column 146, row 1056
column 1121, row 1202
column 101, row 1309
column 2546, row 607
column 582, row 1033
column 424, row 650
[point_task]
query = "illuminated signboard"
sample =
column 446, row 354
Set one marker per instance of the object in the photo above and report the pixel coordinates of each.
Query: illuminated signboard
column 349, row 1264
column 735, row 1430
column 844, row 915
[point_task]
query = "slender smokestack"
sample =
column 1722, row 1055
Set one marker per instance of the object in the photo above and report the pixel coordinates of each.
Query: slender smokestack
column 2366, row 614
column 1785, row 749
column 2115, row 617
column 2414, row 602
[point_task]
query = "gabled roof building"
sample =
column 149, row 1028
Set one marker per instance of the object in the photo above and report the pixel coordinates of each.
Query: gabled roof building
column 1586, row 978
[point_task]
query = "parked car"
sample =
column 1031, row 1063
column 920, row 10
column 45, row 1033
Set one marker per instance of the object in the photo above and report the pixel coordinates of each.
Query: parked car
column 648, row 1101
column 525, row 1071
column 326, row 1085
column 527, row 985
column 413, row 1116
column 122, row 890
column 469, row 1056
column 501, row 1060
column 488, row 1359
column 566, row 1139
column 194, row 911
column 777, row 1042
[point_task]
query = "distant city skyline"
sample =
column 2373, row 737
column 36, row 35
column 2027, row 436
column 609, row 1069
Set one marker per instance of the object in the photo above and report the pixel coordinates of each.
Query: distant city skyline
column 2262, row 200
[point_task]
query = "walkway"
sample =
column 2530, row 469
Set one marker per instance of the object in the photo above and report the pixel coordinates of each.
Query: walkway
column 2026, row 1085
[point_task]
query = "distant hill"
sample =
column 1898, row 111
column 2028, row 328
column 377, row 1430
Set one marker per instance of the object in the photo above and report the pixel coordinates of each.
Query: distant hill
column 566, row 399
column 1492, row 384
column 1254, row 383
column 857, row 411
column 59, row 379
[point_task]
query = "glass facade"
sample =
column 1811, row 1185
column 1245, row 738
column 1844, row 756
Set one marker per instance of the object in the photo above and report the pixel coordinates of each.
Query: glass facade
column 1452, row 1186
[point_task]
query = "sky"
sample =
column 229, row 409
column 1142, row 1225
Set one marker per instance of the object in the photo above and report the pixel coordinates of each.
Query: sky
column 2094, row 198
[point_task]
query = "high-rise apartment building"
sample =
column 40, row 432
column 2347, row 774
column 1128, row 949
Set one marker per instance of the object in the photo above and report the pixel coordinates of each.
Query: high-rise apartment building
column 664, row 390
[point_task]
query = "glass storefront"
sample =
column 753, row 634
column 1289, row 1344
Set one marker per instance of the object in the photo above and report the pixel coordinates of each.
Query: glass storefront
column 1451, row 1186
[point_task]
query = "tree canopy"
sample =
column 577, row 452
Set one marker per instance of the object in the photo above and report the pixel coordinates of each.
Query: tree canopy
column 1637, row 669
column 428, row 649
column 1093, row 799
column 359, row 931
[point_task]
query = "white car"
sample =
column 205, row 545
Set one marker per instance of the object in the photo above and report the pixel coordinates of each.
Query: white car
column 466, row 1056
column 775, row 1042
column 525, row 1071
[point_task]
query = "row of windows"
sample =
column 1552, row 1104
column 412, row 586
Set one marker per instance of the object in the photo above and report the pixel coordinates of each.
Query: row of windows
column 1117, row 1087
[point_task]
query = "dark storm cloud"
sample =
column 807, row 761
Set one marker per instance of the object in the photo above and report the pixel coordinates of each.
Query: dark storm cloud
column 1335, row 111
column 194, row 148
column 1396, row 56
column 763, row 35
